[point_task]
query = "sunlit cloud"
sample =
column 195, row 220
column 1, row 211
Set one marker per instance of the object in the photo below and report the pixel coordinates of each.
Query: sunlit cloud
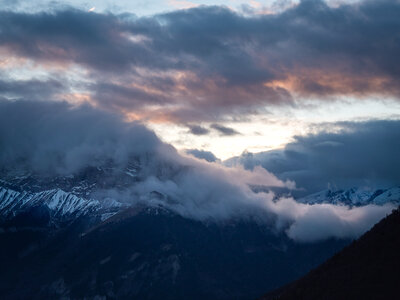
column 211, row 65
column 182, row 4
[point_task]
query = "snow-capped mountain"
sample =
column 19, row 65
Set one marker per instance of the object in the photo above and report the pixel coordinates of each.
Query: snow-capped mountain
column 354, row 197
column 77, row 243
column 150, row 253
column 60, row 204
column 64, row 197
column 81, row 183
column 57, row 201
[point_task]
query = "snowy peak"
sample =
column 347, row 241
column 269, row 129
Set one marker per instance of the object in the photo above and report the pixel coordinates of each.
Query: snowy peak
column 60, row 203
column 390, row 195
column 354, row 197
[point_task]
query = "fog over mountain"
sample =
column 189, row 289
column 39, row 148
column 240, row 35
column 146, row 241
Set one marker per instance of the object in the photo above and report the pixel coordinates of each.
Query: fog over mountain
column 60, row 139
column 205, row 149
column 356, row 154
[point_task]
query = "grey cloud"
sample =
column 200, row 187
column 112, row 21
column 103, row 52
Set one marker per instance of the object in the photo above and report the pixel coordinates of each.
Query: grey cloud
column 56, row 138
column 122, row 97
column 198, row 130
column 30, row 89
column 362, row 154
column 201, row 154
column 230, row 62
column 310, row 223
column 223, row 130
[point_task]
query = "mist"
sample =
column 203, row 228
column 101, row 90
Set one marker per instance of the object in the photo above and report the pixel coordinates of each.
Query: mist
column 58, row 138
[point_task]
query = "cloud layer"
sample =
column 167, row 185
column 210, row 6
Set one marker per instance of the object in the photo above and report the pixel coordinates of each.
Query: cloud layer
column 205, row 63
column 56, row 138
column 360, row 154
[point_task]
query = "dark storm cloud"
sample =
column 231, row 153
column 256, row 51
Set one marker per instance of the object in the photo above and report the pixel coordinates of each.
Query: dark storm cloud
column 223, row 130
column 214, row 61
column 362, row 154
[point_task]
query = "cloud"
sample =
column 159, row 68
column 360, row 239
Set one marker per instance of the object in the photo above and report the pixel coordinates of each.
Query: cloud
column 360, row 154
column 57, row 138
column 206, row 62
column 201, row 154
column 224, row 130
column 198, row 130
column 32, row 89
column 310, row 223
column 203, row 64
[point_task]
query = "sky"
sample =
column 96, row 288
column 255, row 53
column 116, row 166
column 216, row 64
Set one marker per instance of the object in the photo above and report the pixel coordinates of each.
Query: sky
column 221, row 76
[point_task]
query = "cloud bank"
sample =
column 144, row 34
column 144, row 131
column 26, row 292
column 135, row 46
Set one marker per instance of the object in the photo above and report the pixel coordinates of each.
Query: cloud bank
column 56, row 138
column 209, row 62
column 308, row 223
column 360, row 154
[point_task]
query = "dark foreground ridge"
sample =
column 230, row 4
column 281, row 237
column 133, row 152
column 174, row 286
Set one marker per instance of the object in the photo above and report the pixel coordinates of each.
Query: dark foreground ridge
column 369, row 268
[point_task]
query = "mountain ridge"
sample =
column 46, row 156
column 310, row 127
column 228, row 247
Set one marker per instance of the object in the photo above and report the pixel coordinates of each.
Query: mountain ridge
column 354, row 196
column 365, row 269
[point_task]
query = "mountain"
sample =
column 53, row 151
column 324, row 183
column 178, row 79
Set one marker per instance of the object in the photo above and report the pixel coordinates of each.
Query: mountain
column 354, row 197
column 63, row 198
column 366, row 269
column 62, row 238
column 83, row 236
column 149, row 253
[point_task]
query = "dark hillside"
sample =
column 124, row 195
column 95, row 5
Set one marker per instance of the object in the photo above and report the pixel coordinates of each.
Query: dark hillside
column 369, row 268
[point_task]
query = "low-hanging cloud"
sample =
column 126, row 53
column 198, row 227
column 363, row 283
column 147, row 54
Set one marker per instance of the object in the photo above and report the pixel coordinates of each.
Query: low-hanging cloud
column 56, row 138
column 309, row 223
column 360, row 154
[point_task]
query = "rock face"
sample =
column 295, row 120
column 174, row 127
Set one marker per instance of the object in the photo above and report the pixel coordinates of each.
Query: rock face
column 366, row 269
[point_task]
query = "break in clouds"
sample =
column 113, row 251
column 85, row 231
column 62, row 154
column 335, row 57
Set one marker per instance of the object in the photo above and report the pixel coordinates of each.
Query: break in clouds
column 56, row 138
